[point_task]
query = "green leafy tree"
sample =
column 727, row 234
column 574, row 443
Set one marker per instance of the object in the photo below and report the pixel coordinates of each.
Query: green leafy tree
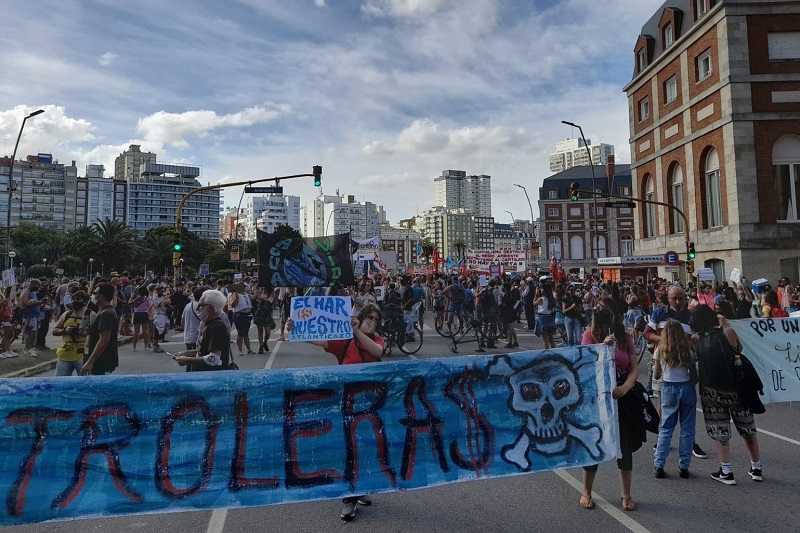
column 459, row 245
column 117, row 245
column 427, row 249
column 286, row 232
column 81, row 242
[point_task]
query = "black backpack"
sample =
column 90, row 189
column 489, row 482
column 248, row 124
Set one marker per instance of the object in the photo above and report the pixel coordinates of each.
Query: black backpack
column 486, row 301
column 458, row 294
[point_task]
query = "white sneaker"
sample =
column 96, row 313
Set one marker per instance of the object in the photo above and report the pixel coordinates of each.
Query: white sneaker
column 10, row 354
column 3, row 355
column 30, row 353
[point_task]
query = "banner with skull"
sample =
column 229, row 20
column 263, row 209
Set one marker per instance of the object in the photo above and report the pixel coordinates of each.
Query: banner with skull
column 111, row 445
column 312, row 262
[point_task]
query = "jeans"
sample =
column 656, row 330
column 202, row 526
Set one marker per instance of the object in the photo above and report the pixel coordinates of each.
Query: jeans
column 65, row 368
column 678, row 402
column 574, row 330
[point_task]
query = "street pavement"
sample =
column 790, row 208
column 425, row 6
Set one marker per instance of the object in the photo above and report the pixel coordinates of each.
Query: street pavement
column 530, row 502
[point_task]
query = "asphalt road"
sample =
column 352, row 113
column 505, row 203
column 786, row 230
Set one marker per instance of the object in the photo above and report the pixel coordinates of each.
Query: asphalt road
column 533, row 502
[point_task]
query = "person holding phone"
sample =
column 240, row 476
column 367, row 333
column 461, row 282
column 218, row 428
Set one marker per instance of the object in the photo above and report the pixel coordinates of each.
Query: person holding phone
column 213, row 346
column 73, row 327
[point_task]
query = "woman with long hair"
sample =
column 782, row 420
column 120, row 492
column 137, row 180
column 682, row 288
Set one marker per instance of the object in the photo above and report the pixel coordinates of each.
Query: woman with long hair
column 609, row 329
column 140, row 304
column 239, row 302
column 262, row 318
column 716, row 346
column 545, row 304
column 673, row 359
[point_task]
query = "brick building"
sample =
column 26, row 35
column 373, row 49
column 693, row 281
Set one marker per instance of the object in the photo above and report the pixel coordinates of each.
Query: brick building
column 714, row 109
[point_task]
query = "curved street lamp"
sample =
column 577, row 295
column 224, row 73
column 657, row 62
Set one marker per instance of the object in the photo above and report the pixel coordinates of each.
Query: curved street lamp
column 596, row 239
column 11, row 179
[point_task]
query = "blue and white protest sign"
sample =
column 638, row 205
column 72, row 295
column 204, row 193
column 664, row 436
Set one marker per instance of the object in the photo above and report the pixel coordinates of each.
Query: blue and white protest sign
column 321, row 318
column 82, row 447
column 773, row 346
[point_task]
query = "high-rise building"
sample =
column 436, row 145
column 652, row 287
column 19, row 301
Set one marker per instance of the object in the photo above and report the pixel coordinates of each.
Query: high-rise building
column 45, row 195
column 455, row 190
column 100, row 198
column 454, row 230
column 714, row 131
column 573, row 153
column 128, row 164
column 334, row 215
column 154, row 196
column 268, row 212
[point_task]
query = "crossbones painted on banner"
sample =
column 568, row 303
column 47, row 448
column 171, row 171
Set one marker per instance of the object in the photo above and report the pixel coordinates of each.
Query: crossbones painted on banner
column 543, row 393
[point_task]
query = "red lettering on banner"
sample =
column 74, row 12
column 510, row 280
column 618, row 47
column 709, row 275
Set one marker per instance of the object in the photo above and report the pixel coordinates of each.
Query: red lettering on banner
column 351, row 419
column 238, row 481
column 431, row 424
column 293, row 430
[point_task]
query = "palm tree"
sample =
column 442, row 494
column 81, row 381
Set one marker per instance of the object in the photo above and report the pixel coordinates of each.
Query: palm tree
column 459, row 245
column 81, row 242
column 427, row 249
column 117, row 244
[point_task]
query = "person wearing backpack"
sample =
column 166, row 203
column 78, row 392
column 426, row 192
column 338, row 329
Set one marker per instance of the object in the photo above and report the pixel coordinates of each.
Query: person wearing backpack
column 456, row 294
column 73, row 327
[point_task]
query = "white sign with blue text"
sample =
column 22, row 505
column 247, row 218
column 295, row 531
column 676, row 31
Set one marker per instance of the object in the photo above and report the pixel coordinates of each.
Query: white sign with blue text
column 321, row 318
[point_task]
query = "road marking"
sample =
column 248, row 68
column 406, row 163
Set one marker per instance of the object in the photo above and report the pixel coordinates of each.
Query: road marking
column 765, row 432
column 618, row 514
column 272, row 355
column 217, row 522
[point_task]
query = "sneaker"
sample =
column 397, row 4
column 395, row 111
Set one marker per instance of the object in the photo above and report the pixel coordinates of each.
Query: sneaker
column 510, row 345
column 755, row 473
column 364, row 500
column 659, row 472
column 724, row 478
column 158, row 350
column 348, row 511
column 684, row 473
column 4, row 355
column 698, row 452
column 260, row 350
column 11, row 353
column 30, row 353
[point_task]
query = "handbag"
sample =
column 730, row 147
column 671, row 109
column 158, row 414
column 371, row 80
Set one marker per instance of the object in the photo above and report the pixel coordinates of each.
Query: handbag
column 646, row 411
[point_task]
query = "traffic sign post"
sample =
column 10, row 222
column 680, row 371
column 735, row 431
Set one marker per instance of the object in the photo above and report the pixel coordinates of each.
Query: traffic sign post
column 672, row 258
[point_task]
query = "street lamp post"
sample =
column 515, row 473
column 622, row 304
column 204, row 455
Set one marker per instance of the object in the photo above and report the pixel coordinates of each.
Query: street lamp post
column 11, row 256
column 328, row 224
column 516, row 240
column 11, row 178
column 596, row 238
column 91, row 268
column 531, row 209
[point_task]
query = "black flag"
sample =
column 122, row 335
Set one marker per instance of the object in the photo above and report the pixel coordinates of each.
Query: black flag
column 312, row 262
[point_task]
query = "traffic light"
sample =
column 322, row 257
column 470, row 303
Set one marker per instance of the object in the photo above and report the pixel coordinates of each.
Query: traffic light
column 176, row 243
column 691, row 253
column 573, row 191
column 317, row 176
column 690, row 267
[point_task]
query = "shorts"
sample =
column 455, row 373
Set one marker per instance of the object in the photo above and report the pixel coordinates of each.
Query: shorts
column 242, row 323
column 720, row 405
column 30, row 326
column 141, row 318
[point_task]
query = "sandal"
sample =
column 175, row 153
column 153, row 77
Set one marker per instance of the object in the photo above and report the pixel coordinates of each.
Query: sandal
column 627, row 503
column 587, row 502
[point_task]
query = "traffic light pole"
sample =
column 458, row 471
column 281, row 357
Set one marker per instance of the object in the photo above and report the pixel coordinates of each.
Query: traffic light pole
column 689, row 260
column 176, row 255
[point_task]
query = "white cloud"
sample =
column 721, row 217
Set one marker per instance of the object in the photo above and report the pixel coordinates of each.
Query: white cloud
column 401, row 8
column 173, row 128
column 319, row 3
column 107, row 59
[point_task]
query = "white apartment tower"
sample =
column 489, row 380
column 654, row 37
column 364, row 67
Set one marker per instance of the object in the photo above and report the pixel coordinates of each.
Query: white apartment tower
column 455, row 190
column 334, row 215
column 268, row 212
column 573, row 153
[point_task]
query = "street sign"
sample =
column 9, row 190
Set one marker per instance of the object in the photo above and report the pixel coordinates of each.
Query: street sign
column 621, row 205
column 263, row 190
column 671, row 258
column 204, row 269
column 60, row 271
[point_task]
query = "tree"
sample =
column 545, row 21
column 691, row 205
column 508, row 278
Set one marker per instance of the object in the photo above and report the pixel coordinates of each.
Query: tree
column 117, row 244
column 286, row 232
column 459, row 245
column 427, row 249
column 81, row 242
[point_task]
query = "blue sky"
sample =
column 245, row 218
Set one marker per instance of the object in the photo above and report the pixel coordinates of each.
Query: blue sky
column 384, row 94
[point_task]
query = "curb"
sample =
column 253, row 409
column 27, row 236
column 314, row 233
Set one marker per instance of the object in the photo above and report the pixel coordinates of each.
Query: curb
column 48, row 365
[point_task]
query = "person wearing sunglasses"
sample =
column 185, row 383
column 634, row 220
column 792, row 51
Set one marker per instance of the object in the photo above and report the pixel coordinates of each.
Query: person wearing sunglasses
column 73, row 327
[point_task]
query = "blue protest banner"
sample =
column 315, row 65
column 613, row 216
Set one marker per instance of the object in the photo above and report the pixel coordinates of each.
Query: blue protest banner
column 115, row 445
column 321, row 318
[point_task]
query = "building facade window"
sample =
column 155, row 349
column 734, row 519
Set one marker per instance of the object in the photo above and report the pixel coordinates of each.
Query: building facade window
column 644, row 109
column 641, row 58
column 553, row 227
column 552, row 195
column 676, row 181
column 626, row 246
column 552, row 212
column 671, row 89
column 786, row 162
column 704, row 66
column 713, row 190
column 699, row 8
column 599, row 246
column 649, row 209
column 624, row 190
column 668, row 36
column 576, row 247
column 554, row 247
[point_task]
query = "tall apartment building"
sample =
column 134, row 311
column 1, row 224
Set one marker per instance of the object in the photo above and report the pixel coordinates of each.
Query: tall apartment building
column 127, row 165
column 402, row 241
column 579, row 233
column 268, row 212
column 154, row 196
column 334, row 215
column 573, row 153
column 449, row 228
column 46, row 192
column 455, row 190
column 100, row 198
column 715, row 130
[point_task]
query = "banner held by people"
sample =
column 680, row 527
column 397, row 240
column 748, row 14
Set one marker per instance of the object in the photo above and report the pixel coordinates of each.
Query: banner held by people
column 773, row 346
column 111, row 445
column 297, row 262
column 318, row 318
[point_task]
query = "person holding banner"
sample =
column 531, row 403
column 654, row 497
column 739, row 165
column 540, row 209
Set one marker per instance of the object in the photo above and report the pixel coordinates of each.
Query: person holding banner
column 607, row 327
column 720, row 397
column 366, row 346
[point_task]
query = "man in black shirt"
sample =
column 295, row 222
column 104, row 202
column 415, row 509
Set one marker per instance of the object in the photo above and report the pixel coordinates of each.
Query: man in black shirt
column 213, row 350
column 103, row 349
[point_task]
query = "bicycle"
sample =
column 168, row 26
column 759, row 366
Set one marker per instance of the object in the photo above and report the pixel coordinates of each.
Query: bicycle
column 394, row 329
column 449, row 323
column 486, row 330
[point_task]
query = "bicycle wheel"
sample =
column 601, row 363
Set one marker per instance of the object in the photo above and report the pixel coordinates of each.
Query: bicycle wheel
column 409, row 345
column 489, row 329
column 641, row 347
column 448, row 324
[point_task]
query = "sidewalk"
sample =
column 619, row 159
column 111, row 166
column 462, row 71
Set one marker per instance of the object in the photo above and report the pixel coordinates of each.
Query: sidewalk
column 23, row 366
